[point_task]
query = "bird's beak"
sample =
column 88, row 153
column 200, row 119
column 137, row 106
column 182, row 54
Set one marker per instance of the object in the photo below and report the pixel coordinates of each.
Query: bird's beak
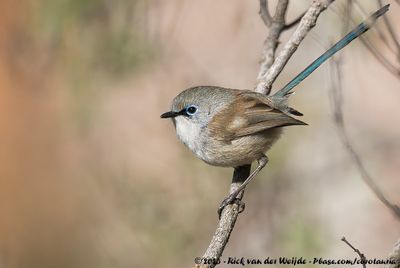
column 169, row 114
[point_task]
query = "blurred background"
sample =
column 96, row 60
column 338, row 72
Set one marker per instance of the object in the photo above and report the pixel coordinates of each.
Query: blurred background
column 90, row 176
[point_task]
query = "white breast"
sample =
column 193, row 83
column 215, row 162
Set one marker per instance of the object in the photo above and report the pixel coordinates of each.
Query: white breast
column 189, row 133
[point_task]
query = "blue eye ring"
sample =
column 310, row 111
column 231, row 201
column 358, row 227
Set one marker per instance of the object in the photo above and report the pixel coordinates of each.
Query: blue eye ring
column 191, row 110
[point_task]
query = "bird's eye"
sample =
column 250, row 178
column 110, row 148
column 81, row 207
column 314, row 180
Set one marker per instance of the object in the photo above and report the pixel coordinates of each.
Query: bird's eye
column 191, row 110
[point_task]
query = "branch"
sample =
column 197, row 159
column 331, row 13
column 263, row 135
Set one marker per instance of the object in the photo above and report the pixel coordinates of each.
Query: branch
column 226, row 222
column 362, row 256
column 391, row 31
column 379, row 57
column 267, row 76
column 231, row 212
column 377, row 52
column 337, row 103
column 271, row 43
column 264, row 13
column 277, row 25
column 376, row 28
column 347, row 17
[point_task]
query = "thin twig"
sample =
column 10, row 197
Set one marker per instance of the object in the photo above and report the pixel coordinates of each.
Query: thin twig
column 391, row 31
column 267, row 78
column 272, row 40
column 372, row 49
column 264, row 13
column 337, row 103
column 362, row 256
column 376, row 28
column 379, row 57
column 347, row 16
column 376, row 52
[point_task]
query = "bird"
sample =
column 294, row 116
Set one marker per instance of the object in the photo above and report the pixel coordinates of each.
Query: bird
column 232, row 128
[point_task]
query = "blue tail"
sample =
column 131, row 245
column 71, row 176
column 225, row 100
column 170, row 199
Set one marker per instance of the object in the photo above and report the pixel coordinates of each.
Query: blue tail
column 356, row 32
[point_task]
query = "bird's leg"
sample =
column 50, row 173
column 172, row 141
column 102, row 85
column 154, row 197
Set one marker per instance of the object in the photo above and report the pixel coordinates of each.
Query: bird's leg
column 262, row 161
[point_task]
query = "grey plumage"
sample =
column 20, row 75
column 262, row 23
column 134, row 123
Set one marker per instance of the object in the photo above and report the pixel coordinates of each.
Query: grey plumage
column 231, row 127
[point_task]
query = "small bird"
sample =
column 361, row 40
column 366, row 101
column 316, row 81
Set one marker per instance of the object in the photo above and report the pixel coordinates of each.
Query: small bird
column 231, row 127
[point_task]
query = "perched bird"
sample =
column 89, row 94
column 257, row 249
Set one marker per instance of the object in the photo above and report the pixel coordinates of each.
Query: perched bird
column 231, row 128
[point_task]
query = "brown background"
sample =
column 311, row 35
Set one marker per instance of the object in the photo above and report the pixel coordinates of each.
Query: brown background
column 90, row 176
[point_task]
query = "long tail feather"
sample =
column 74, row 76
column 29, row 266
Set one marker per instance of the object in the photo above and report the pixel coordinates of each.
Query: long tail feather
column 356, row 32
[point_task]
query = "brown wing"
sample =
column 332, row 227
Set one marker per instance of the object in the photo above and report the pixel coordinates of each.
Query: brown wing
column 250, row 113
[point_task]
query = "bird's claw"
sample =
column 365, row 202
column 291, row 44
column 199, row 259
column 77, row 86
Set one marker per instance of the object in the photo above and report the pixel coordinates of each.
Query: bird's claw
column 231, row 199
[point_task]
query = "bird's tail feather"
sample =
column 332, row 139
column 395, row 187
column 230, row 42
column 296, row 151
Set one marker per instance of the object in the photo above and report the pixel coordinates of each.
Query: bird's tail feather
column 356, row 32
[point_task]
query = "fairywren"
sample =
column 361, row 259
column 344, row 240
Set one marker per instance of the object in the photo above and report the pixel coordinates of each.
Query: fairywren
column 231, row 128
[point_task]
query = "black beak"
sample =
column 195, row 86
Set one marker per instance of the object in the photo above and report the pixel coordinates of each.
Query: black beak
column 169, row 114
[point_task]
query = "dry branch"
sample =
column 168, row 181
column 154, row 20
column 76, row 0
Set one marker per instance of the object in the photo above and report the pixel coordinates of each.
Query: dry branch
column 378, row 55
column 362, row 256
column 267, row 76
column 337, row 103
column 391, row 32
column 277, row 25
column 264, row 13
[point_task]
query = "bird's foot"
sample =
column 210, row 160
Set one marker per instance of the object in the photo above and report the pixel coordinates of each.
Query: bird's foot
column 231, row 199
